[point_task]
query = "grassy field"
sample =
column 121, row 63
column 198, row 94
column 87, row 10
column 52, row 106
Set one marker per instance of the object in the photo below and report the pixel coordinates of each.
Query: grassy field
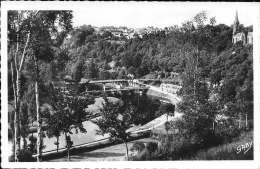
column 238, row 149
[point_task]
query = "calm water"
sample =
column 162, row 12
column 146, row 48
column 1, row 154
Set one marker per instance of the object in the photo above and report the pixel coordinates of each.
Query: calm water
column 82, row 138
column 77, row 138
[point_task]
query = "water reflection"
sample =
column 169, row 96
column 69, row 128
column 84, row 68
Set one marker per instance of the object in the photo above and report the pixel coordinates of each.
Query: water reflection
column 146, row 107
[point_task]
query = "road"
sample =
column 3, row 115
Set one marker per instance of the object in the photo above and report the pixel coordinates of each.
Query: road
column 111, row 153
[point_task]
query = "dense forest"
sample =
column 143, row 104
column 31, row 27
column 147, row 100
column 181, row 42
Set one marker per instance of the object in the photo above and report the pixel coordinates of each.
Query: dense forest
column 89, row 53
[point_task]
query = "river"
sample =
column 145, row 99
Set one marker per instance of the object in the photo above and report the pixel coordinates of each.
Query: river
column 83, row 138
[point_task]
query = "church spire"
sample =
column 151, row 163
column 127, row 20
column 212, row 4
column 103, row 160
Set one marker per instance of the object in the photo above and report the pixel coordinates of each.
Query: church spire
column 236, row 24
column 236, row 19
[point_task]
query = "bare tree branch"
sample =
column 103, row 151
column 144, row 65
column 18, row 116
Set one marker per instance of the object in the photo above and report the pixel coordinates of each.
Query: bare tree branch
column 23, row 55
column 17, row 45
column 27, row 41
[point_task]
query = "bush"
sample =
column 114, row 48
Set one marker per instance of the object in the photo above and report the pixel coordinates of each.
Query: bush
column 180, row 147
column 151, row 147
column 25, row 155
column 144, row 152
column 227, row 151
column 227, row 133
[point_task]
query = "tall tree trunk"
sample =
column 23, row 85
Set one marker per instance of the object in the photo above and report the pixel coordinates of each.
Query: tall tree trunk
column 57, row 143
column 16, row 127
column 17, row 115
column 18, row 96
column 17, row 93
column 68, row 146
column 126, row 150
column 24, row 143
column 68, row 153
column 39, row 128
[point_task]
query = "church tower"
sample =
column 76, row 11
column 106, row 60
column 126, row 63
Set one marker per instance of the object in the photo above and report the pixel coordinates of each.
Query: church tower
column 238, row 35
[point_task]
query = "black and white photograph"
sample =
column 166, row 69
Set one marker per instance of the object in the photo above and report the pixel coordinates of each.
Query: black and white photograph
column 129, row 81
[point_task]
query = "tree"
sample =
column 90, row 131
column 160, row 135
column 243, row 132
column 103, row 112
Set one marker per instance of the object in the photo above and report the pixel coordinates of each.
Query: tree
column 143, row 113
column 41, row 47
column 167, row 109
column 115, row 120
column 200, row 19
column 199, row 112
column 122, row 74
column 131, row 70
column 212, row 21
column 17, row 34
column 104, row 74
column 92, row 70
column 31, row 34
column 232, row 74
column 24, row 129
column 79, row 35
column 77, row 69
column 67, row 113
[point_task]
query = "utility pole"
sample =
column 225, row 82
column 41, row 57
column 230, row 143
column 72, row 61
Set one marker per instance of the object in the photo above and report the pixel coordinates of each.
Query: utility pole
column 239, row 122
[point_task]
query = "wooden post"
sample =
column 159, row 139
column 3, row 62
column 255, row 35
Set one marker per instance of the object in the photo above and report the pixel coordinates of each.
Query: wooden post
column 104, row 87
column 246, row 121
column 239, row 122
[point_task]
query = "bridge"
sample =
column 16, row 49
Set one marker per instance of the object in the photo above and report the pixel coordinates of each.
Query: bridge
column 137, row 89
column 128, row 80
column 138, row 85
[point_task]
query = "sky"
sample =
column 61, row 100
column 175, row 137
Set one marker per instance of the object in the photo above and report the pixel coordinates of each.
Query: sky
column 158, row 14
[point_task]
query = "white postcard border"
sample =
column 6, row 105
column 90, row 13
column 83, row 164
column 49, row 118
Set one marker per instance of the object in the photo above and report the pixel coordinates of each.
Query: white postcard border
column 58, row 5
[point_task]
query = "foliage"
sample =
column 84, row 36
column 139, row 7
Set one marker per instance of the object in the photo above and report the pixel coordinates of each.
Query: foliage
column 233, row 71
column 144, row 152
column 227, row 151
column 77, row 70
column 154, row 51
column 198, row 111
column 115, row 120
column 167, row 108
column 143, row 114
column 66, row 113
column 25, row 156
column 32, row 145
column 31, row 37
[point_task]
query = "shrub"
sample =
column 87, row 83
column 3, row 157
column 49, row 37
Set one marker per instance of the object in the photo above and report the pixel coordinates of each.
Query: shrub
column 25, row 155
column 223, row 152
column 227, row 151
column 139, row 146
column 144, row 152
column 227, row 133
